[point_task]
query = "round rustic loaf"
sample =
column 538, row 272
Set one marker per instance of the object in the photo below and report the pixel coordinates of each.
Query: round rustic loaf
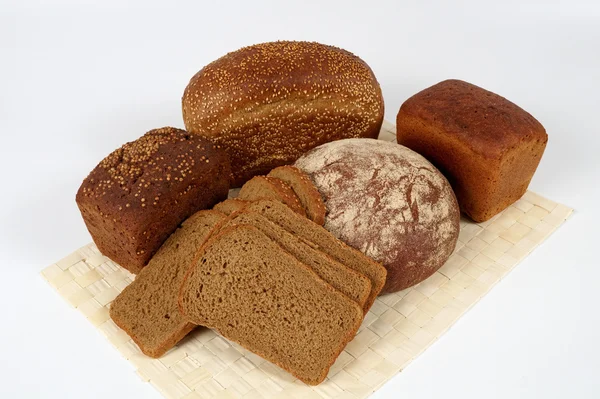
column 269, row 103
column 389, row 202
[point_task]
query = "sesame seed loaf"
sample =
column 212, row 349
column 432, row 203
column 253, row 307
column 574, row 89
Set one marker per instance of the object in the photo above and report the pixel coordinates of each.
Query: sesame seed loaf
column 269, row 103
column 147, row 308
column 487, row 147
column 264, row 187
column 309, row 196
column 140, row 193
column 325, row 242
column 230, row 205
column 256, row 294
column 349, row 282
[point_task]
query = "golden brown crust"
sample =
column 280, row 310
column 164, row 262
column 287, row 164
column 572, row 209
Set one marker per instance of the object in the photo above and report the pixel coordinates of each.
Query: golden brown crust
column 306, row 191
column 269, row 103
column 485, row 145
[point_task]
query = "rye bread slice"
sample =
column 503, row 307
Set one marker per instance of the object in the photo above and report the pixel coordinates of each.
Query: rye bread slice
column 307, row 192
column 325, row 241
column 254, row 293
column 263, row 187
column 147, row 308
column 349, row 282
column 231, row 205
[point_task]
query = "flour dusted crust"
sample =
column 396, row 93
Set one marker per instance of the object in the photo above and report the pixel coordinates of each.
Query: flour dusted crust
column 389, row 202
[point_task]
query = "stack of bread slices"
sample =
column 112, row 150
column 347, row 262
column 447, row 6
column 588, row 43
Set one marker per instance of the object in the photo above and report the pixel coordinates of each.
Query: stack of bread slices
column 262, row 271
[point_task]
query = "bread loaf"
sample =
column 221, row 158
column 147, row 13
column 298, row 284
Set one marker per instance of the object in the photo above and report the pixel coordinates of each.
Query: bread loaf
column 253, row 292
column 488, row 147
column 138, row 195
column 269, row 103
column 388, row 202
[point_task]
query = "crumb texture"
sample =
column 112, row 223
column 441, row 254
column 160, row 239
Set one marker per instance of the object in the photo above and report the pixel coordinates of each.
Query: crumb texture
column 388, row 202
column 271, row 102
column 147, row 308
column 254, row 293
column 349, row 282
column 325, row 242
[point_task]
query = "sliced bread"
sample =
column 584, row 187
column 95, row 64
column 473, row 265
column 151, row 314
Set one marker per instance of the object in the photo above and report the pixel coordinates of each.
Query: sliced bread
column 307, row 192
column 325, row 241
column 147, row 308
column 254, row 293
column 349, row 282
column 230, row 205
column 263, row 187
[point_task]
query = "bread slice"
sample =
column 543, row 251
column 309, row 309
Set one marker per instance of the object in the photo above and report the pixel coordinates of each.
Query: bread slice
column 307, row 192
column 253, row 292
column 147, row 308
column 349, row 282
column 263, row 187
column 325, row 241
column 231, row 205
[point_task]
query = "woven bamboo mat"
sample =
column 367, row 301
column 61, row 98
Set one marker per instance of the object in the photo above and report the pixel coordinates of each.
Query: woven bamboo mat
column 396, row 330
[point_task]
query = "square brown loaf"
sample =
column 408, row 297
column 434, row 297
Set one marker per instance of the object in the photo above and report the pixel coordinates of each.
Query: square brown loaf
column 488, row 147
column 139, row 194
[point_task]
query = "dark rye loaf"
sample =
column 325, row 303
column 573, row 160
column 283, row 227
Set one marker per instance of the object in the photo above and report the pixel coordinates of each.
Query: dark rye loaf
column 325, row 242
column 254, row 293
column 147, row 308
column 269, row 103
column 305, row 190
column 349, row 282
column 138, row 195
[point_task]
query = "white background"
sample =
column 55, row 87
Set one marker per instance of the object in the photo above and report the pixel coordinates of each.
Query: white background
column 77, row 81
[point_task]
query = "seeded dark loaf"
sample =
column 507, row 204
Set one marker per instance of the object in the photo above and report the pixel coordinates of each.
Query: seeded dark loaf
column 139, row 194
column 269, row 103
column 488, row 147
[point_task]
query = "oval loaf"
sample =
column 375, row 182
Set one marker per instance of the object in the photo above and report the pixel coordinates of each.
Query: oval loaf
column 269, row 103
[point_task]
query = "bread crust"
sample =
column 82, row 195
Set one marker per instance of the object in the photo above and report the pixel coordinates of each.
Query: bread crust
column 269, row 103
column 285, row 194
column 362, row 296
column 487, row 146
column 139, row 194
column 305, row 190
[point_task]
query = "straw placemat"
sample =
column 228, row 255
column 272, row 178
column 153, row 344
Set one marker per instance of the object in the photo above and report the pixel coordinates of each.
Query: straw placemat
column 397, row 329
